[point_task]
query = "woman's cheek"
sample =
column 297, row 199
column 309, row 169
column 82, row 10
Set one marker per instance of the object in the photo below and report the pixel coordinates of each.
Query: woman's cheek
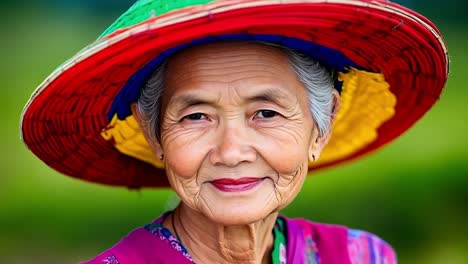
column 184, row 151
column 285, row 145
column 288, row 162
column 284, row 156
column 183, row 163
column 290, row 185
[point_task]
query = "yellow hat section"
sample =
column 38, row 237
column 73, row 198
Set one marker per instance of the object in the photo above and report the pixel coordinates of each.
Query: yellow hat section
column 129, row 140
column 366, row 103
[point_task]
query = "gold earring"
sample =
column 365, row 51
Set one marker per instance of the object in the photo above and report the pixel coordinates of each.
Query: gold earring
column 161, row 157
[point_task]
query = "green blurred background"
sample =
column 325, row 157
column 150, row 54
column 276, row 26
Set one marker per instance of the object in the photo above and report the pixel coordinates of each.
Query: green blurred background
column 413, row 193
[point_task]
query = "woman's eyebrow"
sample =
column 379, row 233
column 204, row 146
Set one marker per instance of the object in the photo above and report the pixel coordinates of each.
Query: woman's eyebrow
column 272, row 95
column 188, row 100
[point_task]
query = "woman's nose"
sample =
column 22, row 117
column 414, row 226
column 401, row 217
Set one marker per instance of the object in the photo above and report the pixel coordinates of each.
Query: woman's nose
column 233, row 147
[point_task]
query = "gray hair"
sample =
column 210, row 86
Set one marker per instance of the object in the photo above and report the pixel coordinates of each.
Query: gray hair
column 317, row 80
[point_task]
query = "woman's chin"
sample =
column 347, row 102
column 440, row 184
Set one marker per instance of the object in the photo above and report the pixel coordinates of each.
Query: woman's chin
column 238, row 212
column 234, row 217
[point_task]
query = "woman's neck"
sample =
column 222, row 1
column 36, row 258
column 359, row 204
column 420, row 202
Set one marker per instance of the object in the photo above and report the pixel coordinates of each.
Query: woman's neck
column 209, row 242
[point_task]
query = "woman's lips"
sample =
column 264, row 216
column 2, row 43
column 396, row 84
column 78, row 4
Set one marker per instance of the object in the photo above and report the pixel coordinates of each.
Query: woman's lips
column 236, row 185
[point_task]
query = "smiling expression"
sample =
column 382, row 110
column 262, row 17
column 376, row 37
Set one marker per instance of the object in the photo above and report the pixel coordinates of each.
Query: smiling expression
column 236, row 130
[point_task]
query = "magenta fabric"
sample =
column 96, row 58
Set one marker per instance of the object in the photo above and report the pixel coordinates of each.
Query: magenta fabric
column 331, row 240
column 332, row 244
column 140, row 246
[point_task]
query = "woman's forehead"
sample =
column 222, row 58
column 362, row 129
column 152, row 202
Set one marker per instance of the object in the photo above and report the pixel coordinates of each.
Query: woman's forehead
column 235, row 66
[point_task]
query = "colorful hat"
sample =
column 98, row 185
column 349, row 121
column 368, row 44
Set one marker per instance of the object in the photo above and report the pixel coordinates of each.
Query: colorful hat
column 392, row 65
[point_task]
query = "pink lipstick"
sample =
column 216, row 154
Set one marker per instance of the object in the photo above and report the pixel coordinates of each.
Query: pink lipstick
column 236, row 185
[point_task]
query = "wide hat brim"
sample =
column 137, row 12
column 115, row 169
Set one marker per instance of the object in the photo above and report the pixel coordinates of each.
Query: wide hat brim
column 64, row 121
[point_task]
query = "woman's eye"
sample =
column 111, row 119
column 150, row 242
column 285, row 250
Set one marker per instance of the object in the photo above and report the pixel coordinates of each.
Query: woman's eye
column 266, row 114
column 195, row 116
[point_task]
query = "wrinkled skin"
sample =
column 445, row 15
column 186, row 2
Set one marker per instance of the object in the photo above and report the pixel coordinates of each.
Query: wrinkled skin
column 233, row 110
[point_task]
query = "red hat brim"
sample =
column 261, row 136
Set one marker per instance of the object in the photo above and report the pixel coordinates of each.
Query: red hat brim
column 62, row 122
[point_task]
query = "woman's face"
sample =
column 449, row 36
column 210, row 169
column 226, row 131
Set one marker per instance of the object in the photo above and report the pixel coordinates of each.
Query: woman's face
column 236, row 131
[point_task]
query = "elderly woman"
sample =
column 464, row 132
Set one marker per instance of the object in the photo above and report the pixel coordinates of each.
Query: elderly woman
column 230, row 104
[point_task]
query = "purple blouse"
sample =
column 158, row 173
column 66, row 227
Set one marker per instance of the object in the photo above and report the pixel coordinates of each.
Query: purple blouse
column 307, row 243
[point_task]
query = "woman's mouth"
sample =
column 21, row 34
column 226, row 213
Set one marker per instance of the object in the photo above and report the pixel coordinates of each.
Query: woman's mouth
column 236, row 185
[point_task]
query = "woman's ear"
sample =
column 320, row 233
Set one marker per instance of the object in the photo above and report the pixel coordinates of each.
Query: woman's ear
column 153, row 143
column 318, row 142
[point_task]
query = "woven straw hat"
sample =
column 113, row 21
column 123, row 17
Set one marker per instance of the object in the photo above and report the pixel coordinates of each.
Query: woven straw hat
column 392, row 65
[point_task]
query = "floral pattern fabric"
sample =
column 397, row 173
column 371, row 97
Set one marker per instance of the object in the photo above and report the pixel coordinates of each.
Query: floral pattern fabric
column 110, row 260
column 163, row 233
